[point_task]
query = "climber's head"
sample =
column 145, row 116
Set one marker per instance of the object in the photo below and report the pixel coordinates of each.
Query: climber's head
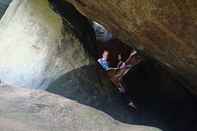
column 105, row 54
column 119, row 57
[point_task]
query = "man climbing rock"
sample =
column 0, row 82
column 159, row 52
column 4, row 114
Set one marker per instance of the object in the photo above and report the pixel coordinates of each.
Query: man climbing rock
column 124, row 68
column 116, row 74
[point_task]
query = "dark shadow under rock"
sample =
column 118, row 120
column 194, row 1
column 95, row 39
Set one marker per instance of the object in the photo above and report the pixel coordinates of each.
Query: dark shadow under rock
column 165, row 106
column 160, row 96
column 3, row 6
column 84, row 86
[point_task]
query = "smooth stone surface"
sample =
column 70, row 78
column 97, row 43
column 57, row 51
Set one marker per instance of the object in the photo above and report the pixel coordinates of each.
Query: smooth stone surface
column 26, row 109
column 35, row 46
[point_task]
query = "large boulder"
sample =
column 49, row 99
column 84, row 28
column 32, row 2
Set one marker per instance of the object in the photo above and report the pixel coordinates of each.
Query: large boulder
column 24, row 109
column 36, row 46
column 165, row 30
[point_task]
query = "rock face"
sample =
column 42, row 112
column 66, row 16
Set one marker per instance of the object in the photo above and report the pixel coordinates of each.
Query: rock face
column 36, row 47
column 81, row 26
column 165, row 30
column 24, row 109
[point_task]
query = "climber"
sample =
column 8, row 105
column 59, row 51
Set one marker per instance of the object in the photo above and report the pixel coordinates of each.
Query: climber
column 124, row 66
column 116, row 74
column 120, row 64
column 103, row 61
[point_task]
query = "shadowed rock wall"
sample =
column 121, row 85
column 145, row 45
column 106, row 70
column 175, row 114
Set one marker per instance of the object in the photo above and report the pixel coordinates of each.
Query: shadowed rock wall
column 3, row 6
column 165, row 30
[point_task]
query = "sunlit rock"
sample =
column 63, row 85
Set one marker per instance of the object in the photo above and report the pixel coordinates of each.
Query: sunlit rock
column 35, row 46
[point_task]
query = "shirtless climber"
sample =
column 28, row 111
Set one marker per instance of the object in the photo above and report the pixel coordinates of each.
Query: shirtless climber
column 125, row 64
column 123, row 67
column 116, row 74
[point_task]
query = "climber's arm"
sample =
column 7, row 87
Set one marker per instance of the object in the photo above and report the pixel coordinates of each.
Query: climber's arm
column 130, row 56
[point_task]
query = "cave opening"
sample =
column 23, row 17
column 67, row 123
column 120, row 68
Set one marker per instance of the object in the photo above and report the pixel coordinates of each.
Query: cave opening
column 160, row 99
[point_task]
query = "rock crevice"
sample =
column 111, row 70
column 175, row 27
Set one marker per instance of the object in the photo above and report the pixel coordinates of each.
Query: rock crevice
column 164, row 30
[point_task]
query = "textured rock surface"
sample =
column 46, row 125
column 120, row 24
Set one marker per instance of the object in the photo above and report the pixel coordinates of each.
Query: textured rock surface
column 35, row 47
column 42, row 111
column 164, row 29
